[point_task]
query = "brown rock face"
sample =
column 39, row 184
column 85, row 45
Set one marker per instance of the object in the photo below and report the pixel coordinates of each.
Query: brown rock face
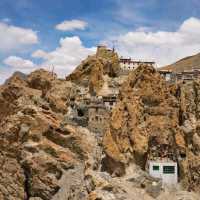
column 145, row 122
column 48, row 153
column 15, row 89
column 59, row 95
column 189, row 96
column 90, row 72
column 39, row 157
column 38, row 154
column 41, row 80
column 153, row 120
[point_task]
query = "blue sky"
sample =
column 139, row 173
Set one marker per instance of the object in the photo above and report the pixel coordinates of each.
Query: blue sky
column 141, row 29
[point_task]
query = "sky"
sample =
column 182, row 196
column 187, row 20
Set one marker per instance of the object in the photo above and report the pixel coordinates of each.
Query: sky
column 48, row 33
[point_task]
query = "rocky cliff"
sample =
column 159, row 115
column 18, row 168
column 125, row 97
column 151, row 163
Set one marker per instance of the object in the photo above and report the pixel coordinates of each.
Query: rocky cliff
column 91, row 71
column 44, row 156
column 154, row 121
column 39, row 153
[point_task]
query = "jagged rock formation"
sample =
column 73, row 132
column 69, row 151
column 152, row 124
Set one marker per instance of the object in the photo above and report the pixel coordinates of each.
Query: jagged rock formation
column 16, row 76
column 91, row 71
column 38, row 153
column 48, row 152
column 152, row 121
column 14, row 89
column 189, row 94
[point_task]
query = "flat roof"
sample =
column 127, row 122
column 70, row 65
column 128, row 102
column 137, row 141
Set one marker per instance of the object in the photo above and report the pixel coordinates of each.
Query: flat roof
column 135, row 61
column 165, row 70
column 162, row 161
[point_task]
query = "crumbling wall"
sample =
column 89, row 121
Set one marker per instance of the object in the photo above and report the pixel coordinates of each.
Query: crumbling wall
column 99, row 118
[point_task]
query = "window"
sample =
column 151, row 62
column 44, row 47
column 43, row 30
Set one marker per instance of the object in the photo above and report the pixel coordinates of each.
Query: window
column 168, row 169
column 155, row 168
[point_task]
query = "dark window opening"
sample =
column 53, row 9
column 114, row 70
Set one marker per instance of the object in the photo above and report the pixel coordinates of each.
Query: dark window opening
column 156, row 168
column 183, row 155
column 80, row 113
column 168, row 169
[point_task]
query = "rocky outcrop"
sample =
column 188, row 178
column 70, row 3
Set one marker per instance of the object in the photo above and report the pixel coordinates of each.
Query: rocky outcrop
column 47, row 151
column 145, row 122
column 41, row 80
column 13, row 92
column 59, row 95
column 90, row 72
column 153, row 120
column 41, row 157
column 189, row 96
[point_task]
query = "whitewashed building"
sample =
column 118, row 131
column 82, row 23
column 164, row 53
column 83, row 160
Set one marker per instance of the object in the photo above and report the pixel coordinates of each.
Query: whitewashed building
column 127, row 64
column 167, row 171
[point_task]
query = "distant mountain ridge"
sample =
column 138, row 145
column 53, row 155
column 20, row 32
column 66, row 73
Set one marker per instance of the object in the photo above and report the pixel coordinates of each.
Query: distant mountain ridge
column 16, row 74
column 187, row 63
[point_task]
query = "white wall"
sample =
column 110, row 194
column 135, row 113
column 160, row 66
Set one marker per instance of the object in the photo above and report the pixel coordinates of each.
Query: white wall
column 169, row 179
column 131, row 65
column 168, row 77
column 127, row 66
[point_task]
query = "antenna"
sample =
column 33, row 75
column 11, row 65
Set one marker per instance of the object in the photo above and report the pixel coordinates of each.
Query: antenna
column 52, row 72
column 114, row 42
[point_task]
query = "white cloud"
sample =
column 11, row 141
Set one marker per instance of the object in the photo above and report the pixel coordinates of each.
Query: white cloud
column 71, row 25
column 162, row 46
column 13, row 37
column 40, row 54
column 4, row 74
column 65, row 57
column 13, row 64
column 19, row 63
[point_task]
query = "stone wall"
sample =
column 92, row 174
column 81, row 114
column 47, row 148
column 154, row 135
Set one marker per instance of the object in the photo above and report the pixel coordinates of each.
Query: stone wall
column 99, row 118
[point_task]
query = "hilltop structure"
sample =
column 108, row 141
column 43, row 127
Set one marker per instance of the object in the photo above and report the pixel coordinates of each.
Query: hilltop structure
column 127, row 64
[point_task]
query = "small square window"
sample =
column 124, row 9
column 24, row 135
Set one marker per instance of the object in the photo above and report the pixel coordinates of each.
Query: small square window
column 156, row 168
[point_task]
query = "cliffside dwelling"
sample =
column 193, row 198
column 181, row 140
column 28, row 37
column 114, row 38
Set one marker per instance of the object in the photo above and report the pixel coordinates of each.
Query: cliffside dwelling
column 77, row 114
column 127, row 64
column 99, row 116
column 109, row 101
column 166, row 74
column 167, row 171
column 186, row 75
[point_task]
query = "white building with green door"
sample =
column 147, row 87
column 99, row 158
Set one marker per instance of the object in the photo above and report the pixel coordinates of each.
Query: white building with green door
column 167, row 171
